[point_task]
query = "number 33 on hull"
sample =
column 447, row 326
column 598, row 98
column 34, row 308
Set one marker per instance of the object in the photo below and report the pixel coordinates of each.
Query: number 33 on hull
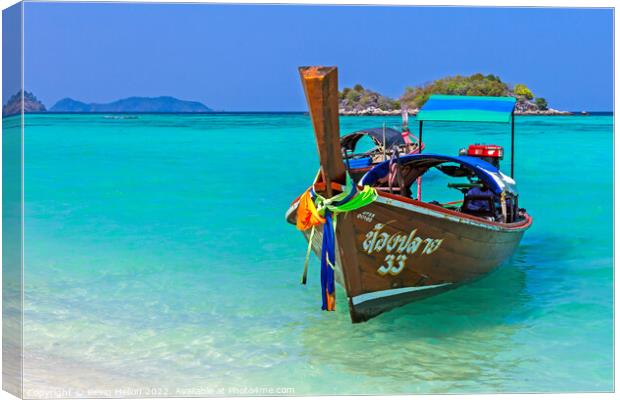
column 382, row 245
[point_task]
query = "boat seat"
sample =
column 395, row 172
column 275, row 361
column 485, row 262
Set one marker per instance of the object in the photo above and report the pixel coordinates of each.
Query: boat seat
column 490, row 210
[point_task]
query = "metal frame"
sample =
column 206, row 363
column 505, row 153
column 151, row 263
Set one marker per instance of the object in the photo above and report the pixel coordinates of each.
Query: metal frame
column 512, row 143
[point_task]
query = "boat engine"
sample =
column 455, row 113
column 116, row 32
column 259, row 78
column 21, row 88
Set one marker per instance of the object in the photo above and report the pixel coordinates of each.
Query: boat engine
column 490, row 153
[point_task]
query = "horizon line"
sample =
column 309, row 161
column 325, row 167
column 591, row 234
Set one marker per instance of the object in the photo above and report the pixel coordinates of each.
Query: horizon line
column 573, row 112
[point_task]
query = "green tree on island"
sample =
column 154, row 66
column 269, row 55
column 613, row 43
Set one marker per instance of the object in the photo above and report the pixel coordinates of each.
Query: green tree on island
column 474, row 85
column 522, row 90
column 541, row 103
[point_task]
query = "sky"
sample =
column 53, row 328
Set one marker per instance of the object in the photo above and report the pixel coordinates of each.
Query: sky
column 245, row 57
column 11, row 51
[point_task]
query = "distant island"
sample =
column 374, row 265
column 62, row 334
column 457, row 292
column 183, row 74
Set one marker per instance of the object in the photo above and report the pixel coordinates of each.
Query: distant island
column 14, row 105
column 162, row 104
column 361, row 101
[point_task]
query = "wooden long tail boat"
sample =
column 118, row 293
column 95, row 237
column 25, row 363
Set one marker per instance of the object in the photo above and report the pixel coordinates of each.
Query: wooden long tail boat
column 385, row 248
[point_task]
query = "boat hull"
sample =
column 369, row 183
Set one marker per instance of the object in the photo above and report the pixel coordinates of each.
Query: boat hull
column 404, row 250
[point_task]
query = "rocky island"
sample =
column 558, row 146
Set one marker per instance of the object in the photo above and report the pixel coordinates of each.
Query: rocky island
column 361, row 101
column 14, row 105
column 162, row 104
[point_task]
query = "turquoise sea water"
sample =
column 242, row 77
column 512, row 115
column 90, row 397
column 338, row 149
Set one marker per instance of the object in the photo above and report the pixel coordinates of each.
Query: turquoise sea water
column 158, row 259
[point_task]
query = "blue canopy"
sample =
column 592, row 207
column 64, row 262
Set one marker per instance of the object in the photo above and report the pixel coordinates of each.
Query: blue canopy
column 441, row 107
column 487, row 173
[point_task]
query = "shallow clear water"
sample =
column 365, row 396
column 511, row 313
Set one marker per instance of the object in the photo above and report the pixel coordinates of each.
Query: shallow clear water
column 157, row 256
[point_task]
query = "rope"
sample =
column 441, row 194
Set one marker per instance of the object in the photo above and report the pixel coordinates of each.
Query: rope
column 305, row 274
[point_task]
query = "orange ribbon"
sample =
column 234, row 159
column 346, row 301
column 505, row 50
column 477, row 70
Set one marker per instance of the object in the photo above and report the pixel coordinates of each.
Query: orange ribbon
column 331, row 300
column 307, row 214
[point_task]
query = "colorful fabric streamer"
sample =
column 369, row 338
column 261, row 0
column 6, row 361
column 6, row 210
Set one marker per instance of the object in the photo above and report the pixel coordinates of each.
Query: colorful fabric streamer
column 328, row 257
column 307, row 214
column 315, row 209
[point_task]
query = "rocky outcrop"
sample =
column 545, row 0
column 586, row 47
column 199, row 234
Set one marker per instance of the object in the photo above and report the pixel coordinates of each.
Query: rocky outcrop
column 375, row 111
column 360, row 101
column 549, row 111
column 372, row 111
column 527, row 107
column 14, row 104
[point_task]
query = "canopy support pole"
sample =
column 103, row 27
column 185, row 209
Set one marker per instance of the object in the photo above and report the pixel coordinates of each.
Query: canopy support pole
column 419, row 196
column 512, row 146
column 420, row 139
